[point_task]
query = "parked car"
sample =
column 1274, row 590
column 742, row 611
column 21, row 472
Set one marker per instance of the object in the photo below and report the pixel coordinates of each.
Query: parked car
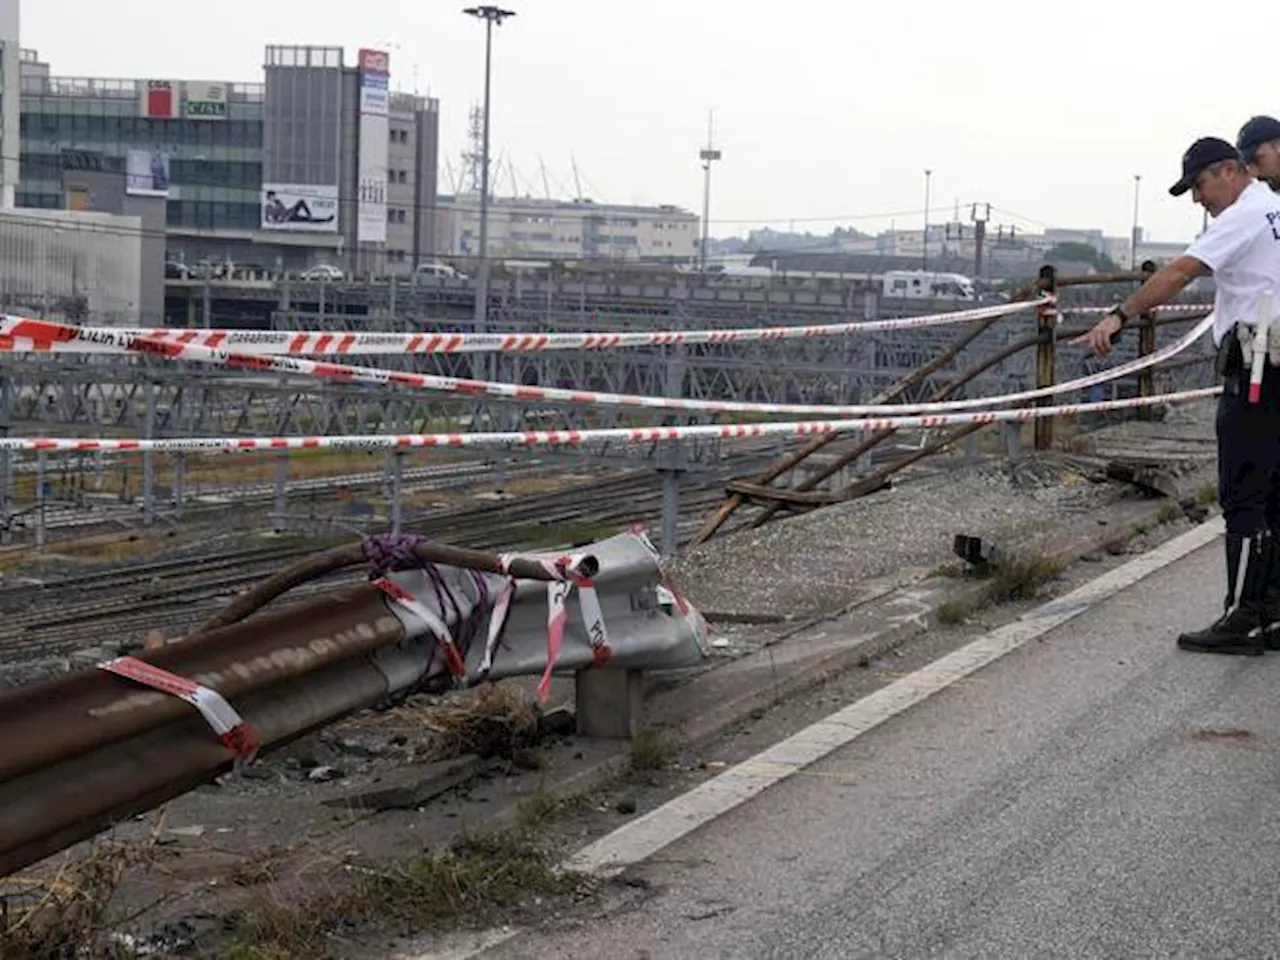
column 438, row 270
column 322, row 272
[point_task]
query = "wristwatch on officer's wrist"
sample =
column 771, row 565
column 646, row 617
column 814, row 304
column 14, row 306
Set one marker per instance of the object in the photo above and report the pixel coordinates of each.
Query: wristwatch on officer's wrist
column 1118, row 310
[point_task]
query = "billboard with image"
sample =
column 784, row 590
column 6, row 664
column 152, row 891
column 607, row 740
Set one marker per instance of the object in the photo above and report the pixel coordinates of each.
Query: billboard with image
column 300, row 208
column 146, row 173
column 375, row 101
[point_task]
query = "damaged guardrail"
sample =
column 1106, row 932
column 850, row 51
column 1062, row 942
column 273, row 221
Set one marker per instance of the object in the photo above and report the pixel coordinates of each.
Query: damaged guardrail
column 82, row 752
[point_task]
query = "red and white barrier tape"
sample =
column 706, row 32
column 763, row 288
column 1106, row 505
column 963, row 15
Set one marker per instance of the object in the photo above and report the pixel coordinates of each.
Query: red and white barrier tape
column 439, row 629
column 235, row 734
column 1167, row 308
column 22, row 335
column 555, row 438
column 360, row 374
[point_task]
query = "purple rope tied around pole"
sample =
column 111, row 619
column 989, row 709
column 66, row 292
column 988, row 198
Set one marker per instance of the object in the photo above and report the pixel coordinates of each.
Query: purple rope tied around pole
column 389, row 552
column 392, row 552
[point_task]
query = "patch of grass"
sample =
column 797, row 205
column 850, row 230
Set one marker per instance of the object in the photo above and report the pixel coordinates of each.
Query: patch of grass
column 1017, row 578
column 479, row 877
column 955, row 611
column 1168, row 513
column 1139, row 529
column 651, row 750
column 539, row 809
column 495, row 720
column 1021, row 578
column 1207, row 495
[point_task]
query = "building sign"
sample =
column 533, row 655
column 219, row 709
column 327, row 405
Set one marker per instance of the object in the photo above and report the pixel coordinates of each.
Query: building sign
column 299, row 208
column 375, row 101
column 159, row 100
column 206, row 101
column 146, row 173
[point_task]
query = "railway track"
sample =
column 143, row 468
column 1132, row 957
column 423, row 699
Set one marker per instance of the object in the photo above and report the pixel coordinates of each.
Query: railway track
column 53, row 617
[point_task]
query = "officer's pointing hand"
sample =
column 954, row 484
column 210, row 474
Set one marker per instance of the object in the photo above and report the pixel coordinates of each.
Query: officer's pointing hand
column 1099, row 338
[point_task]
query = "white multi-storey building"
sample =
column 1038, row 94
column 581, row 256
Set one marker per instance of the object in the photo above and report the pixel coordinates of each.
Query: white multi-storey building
column 10, row 101
column 567, row 230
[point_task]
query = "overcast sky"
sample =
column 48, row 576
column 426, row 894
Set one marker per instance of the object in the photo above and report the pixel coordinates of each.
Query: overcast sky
column 828, row 111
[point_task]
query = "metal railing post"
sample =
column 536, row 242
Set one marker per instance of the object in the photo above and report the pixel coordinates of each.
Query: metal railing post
column 149, row 458
column 1146, row 347
column 397, row 491
column 1046, row 321
column 281, row 506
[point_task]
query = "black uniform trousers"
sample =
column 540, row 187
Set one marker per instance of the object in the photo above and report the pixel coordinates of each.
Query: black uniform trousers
column 1249, row 452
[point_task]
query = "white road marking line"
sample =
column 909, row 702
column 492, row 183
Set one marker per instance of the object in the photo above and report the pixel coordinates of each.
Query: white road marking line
column 647, row 835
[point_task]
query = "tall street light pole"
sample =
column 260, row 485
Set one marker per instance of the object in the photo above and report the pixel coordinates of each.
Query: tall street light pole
column 1133, row 237
column 924, row 247
column 490, row 15
column 708, row 156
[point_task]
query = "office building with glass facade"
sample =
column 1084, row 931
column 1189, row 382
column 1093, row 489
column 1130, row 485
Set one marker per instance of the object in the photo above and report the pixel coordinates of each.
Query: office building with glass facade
column 270, row 176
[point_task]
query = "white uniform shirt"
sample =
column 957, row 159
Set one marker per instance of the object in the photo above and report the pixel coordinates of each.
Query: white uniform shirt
column 1242, row 248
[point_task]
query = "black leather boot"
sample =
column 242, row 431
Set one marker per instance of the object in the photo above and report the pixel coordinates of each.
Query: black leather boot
column 1240, row 629
column 1271, row 632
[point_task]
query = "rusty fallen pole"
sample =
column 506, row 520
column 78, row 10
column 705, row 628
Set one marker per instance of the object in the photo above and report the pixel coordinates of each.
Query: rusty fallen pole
column 921, row 373
column 876, row 480
column 353, row 555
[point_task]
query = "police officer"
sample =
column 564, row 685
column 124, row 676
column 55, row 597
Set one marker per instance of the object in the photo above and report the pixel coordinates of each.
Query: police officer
column 1241, row 249
column 1259, row 145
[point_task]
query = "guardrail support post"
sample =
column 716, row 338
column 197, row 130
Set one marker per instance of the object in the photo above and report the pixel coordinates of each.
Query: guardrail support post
column 41, row 464
column 609, row 704
column 397, row 491
column 1147, row 346
column 281, row 504
column 6, row 457
column 180, row 482
column 672, row 456
column 149, row 459
column 1046, row 320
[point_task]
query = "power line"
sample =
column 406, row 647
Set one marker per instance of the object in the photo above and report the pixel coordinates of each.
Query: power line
column 54, row 167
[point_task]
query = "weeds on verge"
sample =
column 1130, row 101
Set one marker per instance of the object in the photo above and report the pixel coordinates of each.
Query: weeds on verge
column 1019, row 578
column 1168, row 513
column 1207, row 495
column 68, row 915
column 479, row 877
column 651, row 750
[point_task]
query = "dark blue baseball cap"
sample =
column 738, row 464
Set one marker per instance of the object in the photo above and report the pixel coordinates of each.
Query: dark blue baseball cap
column 1255, row 133
column 1205, row 152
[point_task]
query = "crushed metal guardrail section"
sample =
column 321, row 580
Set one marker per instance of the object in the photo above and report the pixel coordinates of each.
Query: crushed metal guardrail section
column 84, row 751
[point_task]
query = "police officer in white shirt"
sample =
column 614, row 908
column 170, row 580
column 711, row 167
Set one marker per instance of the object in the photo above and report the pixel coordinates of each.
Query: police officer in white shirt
column 1241, row 248
column 1259, row 145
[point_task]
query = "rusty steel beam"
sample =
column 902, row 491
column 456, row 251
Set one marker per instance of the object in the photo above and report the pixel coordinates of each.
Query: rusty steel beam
column 38, row 721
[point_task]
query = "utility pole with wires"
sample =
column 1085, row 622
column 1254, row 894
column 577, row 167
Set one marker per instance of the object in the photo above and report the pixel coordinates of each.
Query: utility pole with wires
column 979, row 234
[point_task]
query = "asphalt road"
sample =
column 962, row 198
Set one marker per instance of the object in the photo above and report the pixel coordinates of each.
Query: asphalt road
column 1093, row 794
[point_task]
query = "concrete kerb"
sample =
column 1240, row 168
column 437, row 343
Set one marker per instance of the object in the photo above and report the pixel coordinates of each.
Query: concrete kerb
column 713, row 702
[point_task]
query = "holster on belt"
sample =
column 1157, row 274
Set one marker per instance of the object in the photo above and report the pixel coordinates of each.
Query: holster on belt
column 1246, row 338
column 1231, row 361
